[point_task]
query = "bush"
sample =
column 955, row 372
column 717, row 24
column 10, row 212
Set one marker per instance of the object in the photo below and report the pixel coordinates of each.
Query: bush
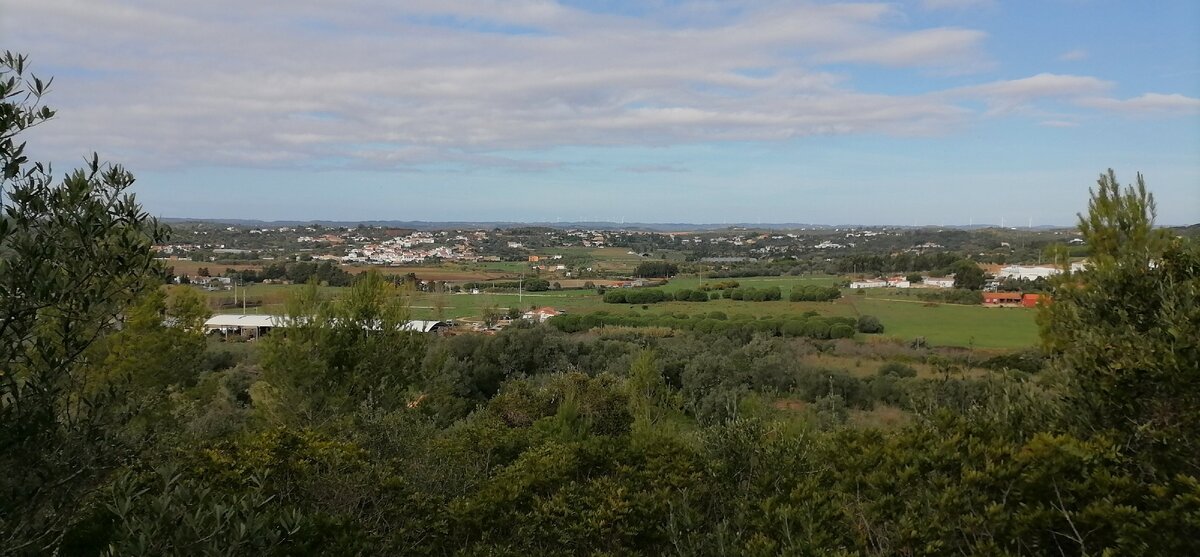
column 537, row 285
column 756, row 294
column 656, row 269
column 1028, row 361
column 217, row 360
column 814, row 293
column 614, row 297
column 869, row 324
column 897, row 369
column 841, row 330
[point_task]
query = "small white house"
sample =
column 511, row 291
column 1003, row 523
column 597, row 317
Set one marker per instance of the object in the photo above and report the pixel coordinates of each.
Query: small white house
column 868, row 284
column 541, row 314
column 939, row 282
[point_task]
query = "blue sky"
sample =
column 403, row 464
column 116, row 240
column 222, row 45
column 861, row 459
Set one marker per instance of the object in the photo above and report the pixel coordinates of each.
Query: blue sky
column 925, row 111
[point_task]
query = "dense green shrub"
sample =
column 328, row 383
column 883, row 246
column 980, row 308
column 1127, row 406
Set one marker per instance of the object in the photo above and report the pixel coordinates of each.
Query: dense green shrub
column 841, row 330
column 635, row 296
column 897, row 369
column 814, row 293
column 869, row 324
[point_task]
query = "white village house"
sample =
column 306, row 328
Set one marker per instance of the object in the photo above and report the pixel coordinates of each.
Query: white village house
column 541, row 314
column 939, row 282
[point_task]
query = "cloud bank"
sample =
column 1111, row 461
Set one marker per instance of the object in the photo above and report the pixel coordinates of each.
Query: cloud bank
column 382, row 85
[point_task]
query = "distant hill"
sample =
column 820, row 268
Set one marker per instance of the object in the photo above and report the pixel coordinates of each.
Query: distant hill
column 441, row 225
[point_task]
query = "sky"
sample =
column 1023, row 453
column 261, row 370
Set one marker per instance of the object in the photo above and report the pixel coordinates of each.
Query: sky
column 925, row 112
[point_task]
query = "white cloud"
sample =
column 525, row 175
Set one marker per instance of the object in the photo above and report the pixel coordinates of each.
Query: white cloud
column 1149, row 103
column 1073, row 55
column 367, row 83
column 1018, row 95
column 1040, row 85
column 956, row 4
column 944, row 46
column 1058, row 123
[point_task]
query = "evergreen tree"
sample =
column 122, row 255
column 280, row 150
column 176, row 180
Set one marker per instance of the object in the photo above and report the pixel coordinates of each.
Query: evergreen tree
column 1127, row 329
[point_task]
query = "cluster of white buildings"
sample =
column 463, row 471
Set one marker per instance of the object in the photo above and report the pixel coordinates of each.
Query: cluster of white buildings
column 901, row 282
column 171, row 249
column 832, row 245
column 1031, row 272
column 383, row 254
column 413, row 248
column 328, row 238
column 1020, row 272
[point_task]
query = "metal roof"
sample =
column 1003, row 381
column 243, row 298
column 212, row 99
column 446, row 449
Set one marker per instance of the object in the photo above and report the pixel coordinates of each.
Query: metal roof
column 422, row 326
column 230, row 320
column 235, row 320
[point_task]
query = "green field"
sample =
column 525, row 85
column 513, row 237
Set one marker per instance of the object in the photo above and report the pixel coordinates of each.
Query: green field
column 903, row 317
column 952, row 325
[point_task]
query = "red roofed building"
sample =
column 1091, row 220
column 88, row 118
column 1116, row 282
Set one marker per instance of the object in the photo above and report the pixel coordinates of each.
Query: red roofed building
column 1032, row 300
column 1001, row 298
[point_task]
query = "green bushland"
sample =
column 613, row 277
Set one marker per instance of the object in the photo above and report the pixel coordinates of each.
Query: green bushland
column 811, row 326
column 722, row 285
column 750, row 294
column 635, row 296
column 814, row 293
